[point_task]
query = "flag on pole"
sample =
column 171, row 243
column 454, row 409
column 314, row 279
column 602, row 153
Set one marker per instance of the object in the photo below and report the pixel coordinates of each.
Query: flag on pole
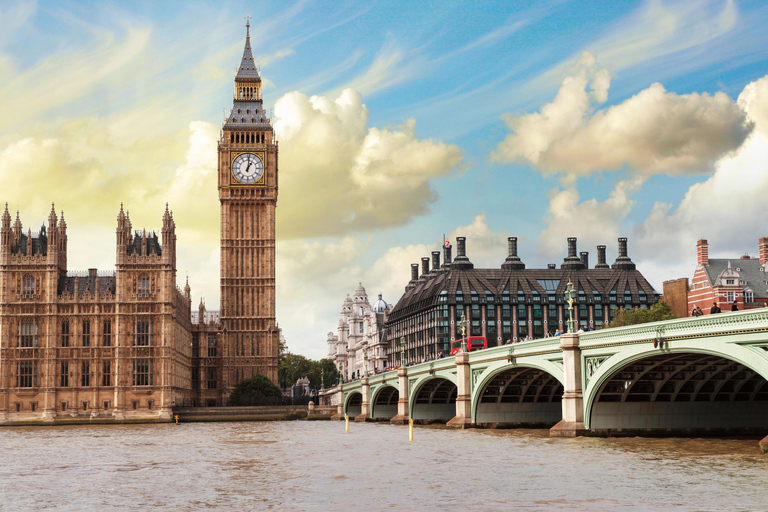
column 446, row 243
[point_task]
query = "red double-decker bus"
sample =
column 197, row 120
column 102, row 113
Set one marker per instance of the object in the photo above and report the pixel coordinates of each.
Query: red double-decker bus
column 473, row 343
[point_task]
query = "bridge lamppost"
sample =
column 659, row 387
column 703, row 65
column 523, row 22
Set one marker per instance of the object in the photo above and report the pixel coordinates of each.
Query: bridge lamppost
column 402, row 351
column 463, row 325
column 570, row 293
column 365, row 360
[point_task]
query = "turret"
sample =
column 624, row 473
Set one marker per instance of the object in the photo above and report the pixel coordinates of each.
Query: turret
column 461, row 262
column 187, row 290
column 5, row 236
column 513, row 261
column 169, row 237
column 572, row 261
column 623, row 262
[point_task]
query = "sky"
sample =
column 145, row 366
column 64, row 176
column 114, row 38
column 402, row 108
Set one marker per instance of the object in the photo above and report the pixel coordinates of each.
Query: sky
column 398, row 123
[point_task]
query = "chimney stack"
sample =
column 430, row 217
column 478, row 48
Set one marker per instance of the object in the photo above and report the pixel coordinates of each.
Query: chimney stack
column 601, row 257
column 623, row 262
column 414, row 272
column 435, row 261
column 702, row 252
column 572, row 261
column 585, row 259
column 424, row 267
column 512, row 262
column 461, row 262
column 551, row 266
column 763, row 250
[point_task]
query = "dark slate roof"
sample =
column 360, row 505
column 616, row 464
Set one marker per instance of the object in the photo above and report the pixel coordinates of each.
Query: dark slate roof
column 39, row 244
column 247, row 70
column 248, row 115
column 153, row 244
column 86, row 284
column 529, row 282
column 749, row 270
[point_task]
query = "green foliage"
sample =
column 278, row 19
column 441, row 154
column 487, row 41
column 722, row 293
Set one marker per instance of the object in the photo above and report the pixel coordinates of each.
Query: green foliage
column 255, row 389
column 294, row 366
column 659, row 311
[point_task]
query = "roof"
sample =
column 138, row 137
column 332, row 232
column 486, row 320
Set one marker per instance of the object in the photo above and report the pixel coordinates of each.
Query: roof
column 750, row 271
column 514, row 282
column 86, row 284
column 153, row 244
column 247, row 115
column 248, row 70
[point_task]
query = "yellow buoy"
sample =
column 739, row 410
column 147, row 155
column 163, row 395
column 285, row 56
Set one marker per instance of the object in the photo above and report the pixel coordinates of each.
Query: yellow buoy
column 346, row 420
column 410, row 429
column 176, row 416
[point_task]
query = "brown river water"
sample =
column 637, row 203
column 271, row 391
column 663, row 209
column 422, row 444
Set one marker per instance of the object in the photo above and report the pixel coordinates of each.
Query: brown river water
column 303, row 465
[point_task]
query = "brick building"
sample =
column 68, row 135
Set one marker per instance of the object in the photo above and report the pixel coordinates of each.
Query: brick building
column 511, row 302
column 725, row 281
column 124, row 343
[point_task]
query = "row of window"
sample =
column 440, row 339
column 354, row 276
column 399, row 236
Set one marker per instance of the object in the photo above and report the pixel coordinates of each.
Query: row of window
column 26, row 374
column 28, row 333
column 85, row 404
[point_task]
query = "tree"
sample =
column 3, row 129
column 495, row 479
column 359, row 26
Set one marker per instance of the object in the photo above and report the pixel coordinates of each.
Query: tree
column 294, row 366
column 659, row 311
column 256, row 390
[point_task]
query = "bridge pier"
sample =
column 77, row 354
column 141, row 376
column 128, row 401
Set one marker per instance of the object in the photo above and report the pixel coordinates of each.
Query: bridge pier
column 463, row 418
column 402, row 402
column 572, row 424
column 365, row 408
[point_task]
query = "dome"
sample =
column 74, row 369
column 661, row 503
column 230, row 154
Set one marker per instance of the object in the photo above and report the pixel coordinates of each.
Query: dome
column 379, row 306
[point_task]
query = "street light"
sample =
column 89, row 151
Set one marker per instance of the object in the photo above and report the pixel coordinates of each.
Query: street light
column 570, row 293
column 402, row 351
column 365, row 360
column 463, row 325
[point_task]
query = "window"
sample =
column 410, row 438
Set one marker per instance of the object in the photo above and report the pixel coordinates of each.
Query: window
column 33, row 406
column 86, row 333
column 135, row 404
column 731, row 296
column 85, row 376
column 26, row 374
column 598, row 312
column 143, row 333
column 459, row 296
column 106, row 405
column 106, row 374
column 28, row 285
column 211, row 378
column 360, row 326
column 63, row 406
column 150, row 403
column 27, row 334
column 65, row 333
column 727, row 281
column 143, row 285
column 490, row 312
column 106, row 334
column 65, row 375
column 522, row 312
column 475, row 312
column 142, row 372
column 552, row 313
column 85, row 406
column 749, row 296
column 211, row 345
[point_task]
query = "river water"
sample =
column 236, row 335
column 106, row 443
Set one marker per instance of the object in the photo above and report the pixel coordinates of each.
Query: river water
column 299, row 465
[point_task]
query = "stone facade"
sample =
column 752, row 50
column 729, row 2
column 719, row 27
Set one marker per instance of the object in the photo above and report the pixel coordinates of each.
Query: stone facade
column 91, row 344
column 124, row 344
column 248, row 195
column 360, row 332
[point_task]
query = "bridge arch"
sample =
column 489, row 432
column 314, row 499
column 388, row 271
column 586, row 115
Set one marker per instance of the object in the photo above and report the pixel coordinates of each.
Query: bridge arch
column 514, row 394
column 353, row 404
column 433, row 399
column 710, row 385
column 384, row 402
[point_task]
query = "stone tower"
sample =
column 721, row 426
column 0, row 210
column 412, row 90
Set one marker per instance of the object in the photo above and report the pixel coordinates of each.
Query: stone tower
column 248, row 196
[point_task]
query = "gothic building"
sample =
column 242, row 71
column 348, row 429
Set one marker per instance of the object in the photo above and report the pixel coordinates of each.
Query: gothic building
column 92, row 344
column 361, row 338
column 509, row 303
column 124, row 343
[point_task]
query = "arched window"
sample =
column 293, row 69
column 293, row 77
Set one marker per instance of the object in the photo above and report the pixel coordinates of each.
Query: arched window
column 143, row 284
column 28, row 285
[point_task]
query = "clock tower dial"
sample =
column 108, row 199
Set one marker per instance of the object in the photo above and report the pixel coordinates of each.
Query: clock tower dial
column 248, row 178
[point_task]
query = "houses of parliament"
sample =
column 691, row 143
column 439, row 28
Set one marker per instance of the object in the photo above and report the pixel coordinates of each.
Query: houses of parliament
column 125, row 344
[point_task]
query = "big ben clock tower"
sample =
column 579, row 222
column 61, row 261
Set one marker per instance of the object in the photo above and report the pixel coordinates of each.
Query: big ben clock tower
column 248, row 197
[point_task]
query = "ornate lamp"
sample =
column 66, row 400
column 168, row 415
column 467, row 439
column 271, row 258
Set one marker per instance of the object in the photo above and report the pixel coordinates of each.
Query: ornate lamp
column 402, row 351
column 463, row 325
column 570, row 293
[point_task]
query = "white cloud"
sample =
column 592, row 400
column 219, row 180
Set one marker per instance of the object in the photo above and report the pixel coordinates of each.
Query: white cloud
column 360, row 178
column 728, row 208
column 653, row 132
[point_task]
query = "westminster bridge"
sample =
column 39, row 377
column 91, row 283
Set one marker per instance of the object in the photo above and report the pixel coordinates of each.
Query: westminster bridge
column 705, row 374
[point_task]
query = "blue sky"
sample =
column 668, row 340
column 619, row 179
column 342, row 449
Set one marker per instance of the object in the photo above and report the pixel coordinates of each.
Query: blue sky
column 398, row 122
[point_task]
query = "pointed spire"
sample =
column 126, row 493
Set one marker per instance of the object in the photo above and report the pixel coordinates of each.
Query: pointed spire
column 63, row 223
column 6, row 217
column 247, row 68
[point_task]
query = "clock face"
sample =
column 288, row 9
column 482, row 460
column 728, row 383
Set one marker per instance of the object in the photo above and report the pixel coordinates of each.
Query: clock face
column 247, row 168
